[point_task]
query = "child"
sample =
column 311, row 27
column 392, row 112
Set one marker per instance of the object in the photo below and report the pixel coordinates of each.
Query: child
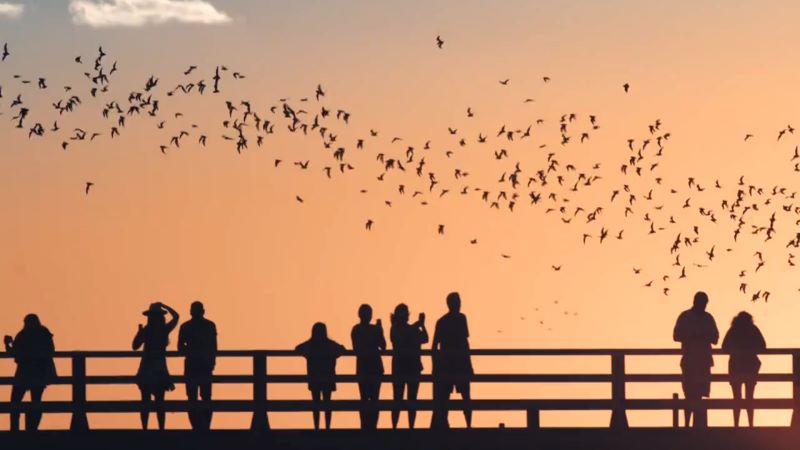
column 321, row 354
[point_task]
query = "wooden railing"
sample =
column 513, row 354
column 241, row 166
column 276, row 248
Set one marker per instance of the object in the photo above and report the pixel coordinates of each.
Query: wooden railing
column 260, row 379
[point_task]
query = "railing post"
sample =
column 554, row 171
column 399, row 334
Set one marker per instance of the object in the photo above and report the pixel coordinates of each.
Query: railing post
column 260, row 420
column 796, row 389
column 79, row 421
column 533, row 419
column 619, row 419
column 675, row 411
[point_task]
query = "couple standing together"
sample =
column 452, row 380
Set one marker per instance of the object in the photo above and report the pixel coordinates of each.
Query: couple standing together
column 697, row 332
column 452, row 366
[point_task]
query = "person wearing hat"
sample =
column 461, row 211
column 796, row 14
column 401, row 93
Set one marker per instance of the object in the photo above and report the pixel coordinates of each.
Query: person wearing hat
column 153, row 377
column 197, row 341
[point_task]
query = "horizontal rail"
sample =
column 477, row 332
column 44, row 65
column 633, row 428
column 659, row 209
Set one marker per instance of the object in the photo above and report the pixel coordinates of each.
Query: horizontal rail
column 478, row 378
column 425, row 352
column 129, row 406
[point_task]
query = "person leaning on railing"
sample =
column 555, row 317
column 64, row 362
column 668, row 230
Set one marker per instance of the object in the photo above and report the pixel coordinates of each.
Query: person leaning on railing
column 32, row 349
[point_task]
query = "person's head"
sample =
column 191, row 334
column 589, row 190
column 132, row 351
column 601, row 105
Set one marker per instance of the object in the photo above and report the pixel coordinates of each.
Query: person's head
column 197, row 310
column 155, row 315
column 744, row 318
column 365, row 313
column 31, row 321
column 319, row 332
column 700, row 301
column 454, row 302
column 401, row 314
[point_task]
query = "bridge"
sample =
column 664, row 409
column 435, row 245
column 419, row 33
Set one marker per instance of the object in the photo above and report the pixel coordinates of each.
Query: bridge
column 618, row 434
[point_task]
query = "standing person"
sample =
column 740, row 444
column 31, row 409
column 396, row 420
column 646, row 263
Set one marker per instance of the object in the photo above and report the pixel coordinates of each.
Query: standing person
column 153, row 377
column 321, row 354
column 197, row 341
column 368, row 343
column 407, row 340
column 32, row 349
column 697, row 331
column 743, row 342
column 452, row 365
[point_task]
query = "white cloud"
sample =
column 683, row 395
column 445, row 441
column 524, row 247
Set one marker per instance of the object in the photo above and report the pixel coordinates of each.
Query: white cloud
column 136, row 13
column 11, row 10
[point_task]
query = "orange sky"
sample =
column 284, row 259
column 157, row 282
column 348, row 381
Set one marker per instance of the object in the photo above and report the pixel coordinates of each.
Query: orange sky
column 225, row 228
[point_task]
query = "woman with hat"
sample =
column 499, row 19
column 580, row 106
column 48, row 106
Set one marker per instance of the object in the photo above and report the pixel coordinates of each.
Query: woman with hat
column 153, row 377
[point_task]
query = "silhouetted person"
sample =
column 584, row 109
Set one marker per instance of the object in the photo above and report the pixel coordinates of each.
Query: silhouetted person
column 321, row 354
column 197, row 340
column 407, row 340
column 697, row 332
column 452, row 365
column 32, row 349
column 368, row 343
column 743, row 342
column 153, row 377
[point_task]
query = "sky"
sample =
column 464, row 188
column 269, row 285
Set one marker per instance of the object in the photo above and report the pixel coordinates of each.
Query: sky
column 224, row 227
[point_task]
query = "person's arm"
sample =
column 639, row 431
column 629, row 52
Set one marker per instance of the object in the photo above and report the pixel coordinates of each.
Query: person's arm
column 174, row 317
column 138, row 340
column 214, row 345
column 354, row 340
column 762, row 343
column 714, row 331
column 9, row 344
column 423, row 333
column 677, row 332
column 436, row 338
column 182, row 344
column 51, row 345
column 726, row 343
column 382, row 338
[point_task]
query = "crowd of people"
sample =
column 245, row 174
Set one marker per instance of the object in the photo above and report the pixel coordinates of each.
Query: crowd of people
column 33, row 350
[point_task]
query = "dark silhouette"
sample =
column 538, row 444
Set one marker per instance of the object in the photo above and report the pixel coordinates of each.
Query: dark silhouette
column 743, row 342
column 368, row 343
column 197, row 340
column 321, row 354
column 32, row 349
column 452, row 365
column 153, row 377
column 697, row 331
column 407, row 340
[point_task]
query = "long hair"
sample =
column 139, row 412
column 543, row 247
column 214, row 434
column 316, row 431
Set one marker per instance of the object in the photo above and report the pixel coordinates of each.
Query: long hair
column 741, row 320
column 400, row 315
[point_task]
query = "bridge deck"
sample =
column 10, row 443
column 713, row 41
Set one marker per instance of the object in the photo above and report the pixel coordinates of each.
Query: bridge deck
column 478, row 439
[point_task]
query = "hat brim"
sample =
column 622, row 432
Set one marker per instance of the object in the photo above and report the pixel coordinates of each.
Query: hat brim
column 151, row 312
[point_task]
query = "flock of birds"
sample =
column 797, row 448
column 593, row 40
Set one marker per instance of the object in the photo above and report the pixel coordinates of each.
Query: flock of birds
column 552, row 180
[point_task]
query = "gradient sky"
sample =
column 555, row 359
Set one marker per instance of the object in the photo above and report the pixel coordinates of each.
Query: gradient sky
column 225, row 228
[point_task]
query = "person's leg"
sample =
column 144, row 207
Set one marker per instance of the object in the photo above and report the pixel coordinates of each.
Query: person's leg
column 33, row 418
column 750, row 389
column 144, row 414
column 374, row 408
column 441, row 396
column 465, row 395
column 363, row 393
column 316, row 398
column 17, row 394
column 160, row 413
column 737, row 397
column 397, row 390
column 206, row 409
column 326, row 398
column 191, row 395
column 413, row 389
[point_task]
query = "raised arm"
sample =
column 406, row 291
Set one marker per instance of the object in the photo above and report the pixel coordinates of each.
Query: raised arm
column 138, row 340
column 174, row 317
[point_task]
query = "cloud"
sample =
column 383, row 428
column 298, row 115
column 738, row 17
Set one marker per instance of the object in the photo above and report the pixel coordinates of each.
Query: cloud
column 11, row 10
column 136, row 13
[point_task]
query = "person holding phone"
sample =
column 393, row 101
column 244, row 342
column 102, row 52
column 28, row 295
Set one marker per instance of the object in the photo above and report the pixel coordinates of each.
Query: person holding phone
column 407, row 340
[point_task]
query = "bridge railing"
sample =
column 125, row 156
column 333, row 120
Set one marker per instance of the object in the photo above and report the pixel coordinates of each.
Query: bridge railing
column 260, row 379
